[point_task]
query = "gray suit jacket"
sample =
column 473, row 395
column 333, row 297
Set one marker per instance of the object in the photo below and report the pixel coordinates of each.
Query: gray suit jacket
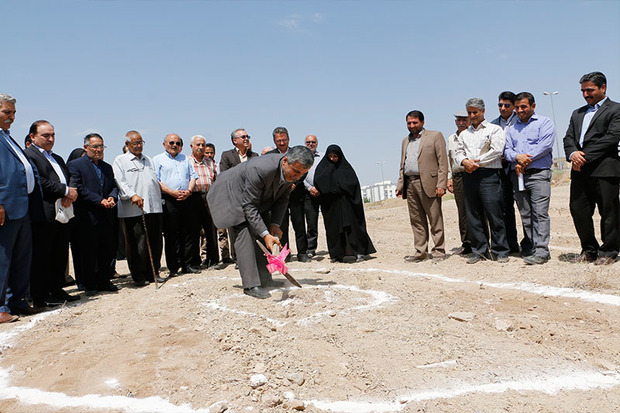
column 248, row 190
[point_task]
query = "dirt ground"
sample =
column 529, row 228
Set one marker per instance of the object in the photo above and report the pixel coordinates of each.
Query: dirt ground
column 382, row 335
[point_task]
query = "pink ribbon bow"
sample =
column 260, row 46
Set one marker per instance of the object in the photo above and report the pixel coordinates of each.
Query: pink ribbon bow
column 277, row 263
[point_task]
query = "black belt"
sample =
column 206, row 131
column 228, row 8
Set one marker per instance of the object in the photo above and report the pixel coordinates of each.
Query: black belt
column 532, row 171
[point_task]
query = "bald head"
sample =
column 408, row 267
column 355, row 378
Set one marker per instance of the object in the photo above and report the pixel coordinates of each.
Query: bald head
column 312, row 143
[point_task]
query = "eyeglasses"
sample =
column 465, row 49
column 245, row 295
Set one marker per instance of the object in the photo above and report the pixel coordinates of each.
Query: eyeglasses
column 137, row 143
column 310, row 142
column 173, row 143
column 243, row 137
column 97, row 147
column 504, row 105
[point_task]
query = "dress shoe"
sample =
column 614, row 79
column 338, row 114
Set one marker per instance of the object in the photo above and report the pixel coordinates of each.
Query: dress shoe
column 475, row 258
column 63, row 295
column 142, row 283
column 602, row 260
column 42, row 304
column 415, row 258
column 8, row 318
column 191, row 270
column 311, row 254
column 256, row 292
column 463, row 251
column 228, row 260
column 502, row 259
column 108, row 287
column 585, row 258
column 303, row 258
column 220, row 266
column 26, row 310
column 535, row 260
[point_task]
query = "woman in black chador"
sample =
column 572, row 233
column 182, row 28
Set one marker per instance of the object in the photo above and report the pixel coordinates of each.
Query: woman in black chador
column 342, row 206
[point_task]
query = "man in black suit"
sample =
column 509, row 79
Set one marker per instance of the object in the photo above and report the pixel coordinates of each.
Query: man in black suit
column 295, row 209
column 50, row 238
column 591, row 144
column 95, row 213
column 240, row 153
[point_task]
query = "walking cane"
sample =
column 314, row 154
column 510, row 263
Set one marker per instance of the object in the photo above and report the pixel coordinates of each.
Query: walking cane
column 148, row 247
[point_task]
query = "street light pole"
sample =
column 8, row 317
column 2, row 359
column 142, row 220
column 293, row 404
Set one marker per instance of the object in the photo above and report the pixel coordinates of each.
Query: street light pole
column 381, row 164
column 381, row 187
column 557, row 143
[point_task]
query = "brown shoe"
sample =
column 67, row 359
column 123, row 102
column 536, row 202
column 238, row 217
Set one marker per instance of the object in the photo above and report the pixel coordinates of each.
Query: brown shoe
column 416, row 258
column 7, row 318
column 604, row 261
column 585, row 258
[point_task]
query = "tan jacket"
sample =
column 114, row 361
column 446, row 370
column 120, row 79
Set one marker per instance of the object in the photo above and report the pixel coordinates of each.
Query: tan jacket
column 432, row 160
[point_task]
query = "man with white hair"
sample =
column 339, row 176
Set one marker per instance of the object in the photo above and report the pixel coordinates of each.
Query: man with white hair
column 202, row 222
column 479, row 151
column 139, row 206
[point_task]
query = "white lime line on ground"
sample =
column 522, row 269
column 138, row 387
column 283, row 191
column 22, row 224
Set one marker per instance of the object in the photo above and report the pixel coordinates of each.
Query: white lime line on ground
column 526, row 287
column 32, row 396
column 550, row 384
column 379, row 298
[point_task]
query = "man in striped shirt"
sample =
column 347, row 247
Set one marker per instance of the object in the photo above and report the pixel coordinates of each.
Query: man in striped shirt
column 204, row 165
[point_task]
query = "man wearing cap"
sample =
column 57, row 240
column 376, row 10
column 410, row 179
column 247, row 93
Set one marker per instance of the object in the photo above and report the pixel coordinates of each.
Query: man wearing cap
column 455, row 181
column 422, row 181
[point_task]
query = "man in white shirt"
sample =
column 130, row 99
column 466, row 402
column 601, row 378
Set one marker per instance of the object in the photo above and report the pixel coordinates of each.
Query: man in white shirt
column 50, row 238
column 479, row 151
column 311, row 202
column 139, row 195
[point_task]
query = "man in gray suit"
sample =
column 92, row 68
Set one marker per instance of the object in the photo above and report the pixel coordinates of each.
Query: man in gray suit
column 251, row 199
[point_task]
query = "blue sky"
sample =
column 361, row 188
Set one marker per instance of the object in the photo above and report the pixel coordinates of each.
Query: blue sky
column 346, row 71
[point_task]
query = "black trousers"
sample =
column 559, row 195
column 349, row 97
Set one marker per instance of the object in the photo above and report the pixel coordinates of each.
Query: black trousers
column 177, row 232
column 311, row 205
column 586, row 193
column 97, row 250
column 50, row 243
column 136, row 247
column 298, row 219
column 203, row 224
column 483, row 197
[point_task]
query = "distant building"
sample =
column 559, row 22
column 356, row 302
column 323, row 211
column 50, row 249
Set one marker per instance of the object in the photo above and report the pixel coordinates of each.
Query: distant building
column 379, row 191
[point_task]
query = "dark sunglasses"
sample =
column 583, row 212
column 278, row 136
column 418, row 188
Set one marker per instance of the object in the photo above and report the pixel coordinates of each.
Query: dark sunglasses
column 310, row 141
column 244, row 137
column 503, row 105
column 172, row 143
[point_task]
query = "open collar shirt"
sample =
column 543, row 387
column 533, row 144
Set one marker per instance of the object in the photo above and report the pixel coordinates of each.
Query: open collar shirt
column 20, row 155
column 175, row 173
column 55, row 165
column 534, row 137
column 455, row 168
column 136, row 176
column 309, row 181
column 206, row 172
column 485, row 143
